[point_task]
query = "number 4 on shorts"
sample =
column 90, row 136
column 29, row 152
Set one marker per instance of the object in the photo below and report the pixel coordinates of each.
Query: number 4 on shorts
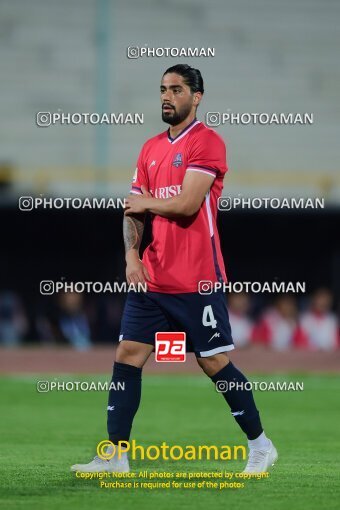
column 208, row 318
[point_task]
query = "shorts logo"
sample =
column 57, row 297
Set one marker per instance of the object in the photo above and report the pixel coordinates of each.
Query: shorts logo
column 178, row 160
column 215, row 335
column 170, row 346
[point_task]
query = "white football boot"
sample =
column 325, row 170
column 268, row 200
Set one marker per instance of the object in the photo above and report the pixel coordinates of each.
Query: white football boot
column 98, row 465
column 260, row 460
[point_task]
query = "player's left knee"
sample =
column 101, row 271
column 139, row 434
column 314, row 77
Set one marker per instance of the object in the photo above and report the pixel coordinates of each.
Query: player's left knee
column 213, row 364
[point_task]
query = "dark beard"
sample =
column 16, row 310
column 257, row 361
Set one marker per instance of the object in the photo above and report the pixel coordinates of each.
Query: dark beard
column 174, row 118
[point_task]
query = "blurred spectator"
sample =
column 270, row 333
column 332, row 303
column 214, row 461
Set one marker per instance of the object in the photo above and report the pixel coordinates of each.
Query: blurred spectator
column 319, row 324
column 278, row 328
column 13, row 321
column 67, row 321
column 47, row 322
column 73, row 322
column 240, row 322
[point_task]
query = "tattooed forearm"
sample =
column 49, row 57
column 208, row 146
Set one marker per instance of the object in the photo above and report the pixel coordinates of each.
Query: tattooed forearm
column 133, row 228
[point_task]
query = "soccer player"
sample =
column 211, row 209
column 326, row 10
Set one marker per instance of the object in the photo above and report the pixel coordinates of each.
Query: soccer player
column 178, row 180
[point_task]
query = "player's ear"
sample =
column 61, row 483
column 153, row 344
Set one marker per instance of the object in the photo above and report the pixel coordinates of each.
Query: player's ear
column 197, row 98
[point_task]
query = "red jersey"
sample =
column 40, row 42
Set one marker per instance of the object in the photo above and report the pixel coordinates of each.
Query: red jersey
column 183, row 251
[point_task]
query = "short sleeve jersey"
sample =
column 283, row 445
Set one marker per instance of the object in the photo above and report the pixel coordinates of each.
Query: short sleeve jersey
column 183, row 251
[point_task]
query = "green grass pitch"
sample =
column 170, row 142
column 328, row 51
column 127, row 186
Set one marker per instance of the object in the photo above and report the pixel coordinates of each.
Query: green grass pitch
column 42, row 434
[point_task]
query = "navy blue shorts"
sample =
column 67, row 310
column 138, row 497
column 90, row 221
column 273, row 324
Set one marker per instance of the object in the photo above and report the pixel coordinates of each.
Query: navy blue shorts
column 204, row 319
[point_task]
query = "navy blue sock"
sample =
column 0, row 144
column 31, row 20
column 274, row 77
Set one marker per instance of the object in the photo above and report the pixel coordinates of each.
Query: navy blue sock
column 123, row 403
column 240, row 401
